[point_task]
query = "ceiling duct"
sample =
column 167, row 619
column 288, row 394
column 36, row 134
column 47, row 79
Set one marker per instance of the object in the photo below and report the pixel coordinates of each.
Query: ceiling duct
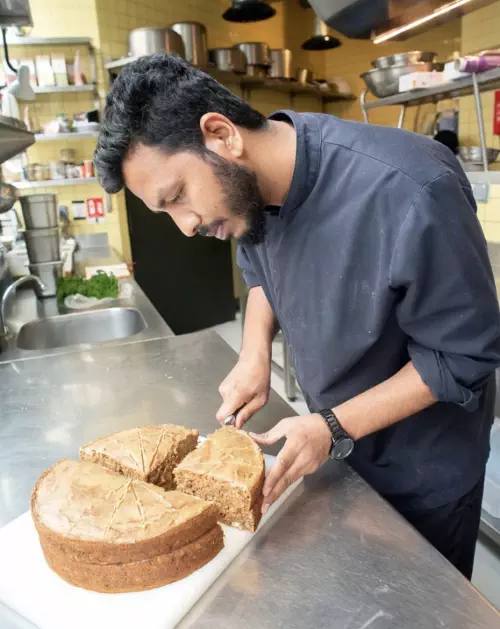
column 249, row 11
column 321, row 40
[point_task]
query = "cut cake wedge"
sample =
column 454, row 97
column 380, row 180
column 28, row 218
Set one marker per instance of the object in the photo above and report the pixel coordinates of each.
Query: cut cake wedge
column 228, row 468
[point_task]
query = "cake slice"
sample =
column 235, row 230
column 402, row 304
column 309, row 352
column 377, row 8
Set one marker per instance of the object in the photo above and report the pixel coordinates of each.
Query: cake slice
column 106, row 532
column 147, row 453
column 227, row 468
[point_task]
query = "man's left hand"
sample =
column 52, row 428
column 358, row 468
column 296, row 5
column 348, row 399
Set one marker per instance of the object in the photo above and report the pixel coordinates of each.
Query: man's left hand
column 308, row 442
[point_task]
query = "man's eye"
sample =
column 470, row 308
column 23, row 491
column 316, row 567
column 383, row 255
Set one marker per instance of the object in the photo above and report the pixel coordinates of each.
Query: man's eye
column 178, row 197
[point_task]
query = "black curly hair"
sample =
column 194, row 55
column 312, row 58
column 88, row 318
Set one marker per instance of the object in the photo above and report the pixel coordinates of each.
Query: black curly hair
column 158, row 100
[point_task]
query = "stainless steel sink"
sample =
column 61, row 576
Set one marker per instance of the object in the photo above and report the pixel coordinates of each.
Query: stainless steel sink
column 93, row 327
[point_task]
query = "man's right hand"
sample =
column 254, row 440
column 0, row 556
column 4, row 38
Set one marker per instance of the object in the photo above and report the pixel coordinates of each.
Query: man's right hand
column 247, row 388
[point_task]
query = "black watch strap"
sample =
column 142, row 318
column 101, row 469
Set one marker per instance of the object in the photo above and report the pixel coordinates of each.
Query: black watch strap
column 342, row 443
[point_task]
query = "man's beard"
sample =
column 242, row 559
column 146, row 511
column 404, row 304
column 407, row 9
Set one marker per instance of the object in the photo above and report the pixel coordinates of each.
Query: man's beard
column 241, row 196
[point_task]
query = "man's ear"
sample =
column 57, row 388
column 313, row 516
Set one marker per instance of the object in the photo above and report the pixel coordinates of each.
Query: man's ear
column 221, row 135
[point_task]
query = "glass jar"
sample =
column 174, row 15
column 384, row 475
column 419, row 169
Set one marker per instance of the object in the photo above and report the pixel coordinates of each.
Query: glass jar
column 57, row 169
column 41, row 172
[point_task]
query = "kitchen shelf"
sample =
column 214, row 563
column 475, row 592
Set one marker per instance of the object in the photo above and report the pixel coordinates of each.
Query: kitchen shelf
column 49, row 183
column 49, row 41
column 253, row 83
column 45, row 137
column 473, row 84
column 292, row 87
column 460, row 87
column 64, row 41
column 56, row 89
column 117, row 64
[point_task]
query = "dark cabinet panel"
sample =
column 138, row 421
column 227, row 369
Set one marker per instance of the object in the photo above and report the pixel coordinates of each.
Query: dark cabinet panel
column 188, row 280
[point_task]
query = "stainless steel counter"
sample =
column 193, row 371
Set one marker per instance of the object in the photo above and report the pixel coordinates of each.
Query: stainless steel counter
column 337, row 556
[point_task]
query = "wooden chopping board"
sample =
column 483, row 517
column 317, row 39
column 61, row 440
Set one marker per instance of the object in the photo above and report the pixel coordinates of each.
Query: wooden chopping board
column 30, row 588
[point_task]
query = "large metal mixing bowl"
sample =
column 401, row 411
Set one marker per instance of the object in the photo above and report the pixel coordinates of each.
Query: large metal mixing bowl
column 403, row 58
column 385, row 82
column 473, row 154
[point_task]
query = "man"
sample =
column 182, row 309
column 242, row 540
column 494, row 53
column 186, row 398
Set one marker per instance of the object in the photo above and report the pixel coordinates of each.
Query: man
column 362, row 244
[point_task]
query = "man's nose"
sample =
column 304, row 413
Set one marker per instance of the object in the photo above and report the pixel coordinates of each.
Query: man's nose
column 188, row 224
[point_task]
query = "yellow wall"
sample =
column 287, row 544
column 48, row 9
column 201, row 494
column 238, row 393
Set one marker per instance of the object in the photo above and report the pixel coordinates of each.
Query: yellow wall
column 480, row 31
column 59, row 18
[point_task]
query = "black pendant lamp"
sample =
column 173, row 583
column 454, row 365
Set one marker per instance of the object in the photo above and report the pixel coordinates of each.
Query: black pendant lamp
column 321, row 40
column 249, row 11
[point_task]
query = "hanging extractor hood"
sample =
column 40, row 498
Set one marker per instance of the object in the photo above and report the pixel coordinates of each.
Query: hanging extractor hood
column 404, row 18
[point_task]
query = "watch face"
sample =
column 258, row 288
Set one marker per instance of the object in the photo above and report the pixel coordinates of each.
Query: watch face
column 342, row 449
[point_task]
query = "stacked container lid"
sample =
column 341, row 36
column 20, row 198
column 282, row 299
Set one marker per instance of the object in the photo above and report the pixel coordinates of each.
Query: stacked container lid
column 42, row 239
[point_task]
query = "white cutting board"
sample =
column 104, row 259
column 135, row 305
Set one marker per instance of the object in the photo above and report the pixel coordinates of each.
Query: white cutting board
column 30, row 588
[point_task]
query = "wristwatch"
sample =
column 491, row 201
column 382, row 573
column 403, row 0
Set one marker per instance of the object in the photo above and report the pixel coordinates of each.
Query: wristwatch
column 342, row 444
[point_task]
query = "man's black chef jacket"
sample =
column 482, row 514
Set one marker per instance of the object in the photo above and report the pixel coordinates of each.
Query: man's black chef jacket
column 376, row 257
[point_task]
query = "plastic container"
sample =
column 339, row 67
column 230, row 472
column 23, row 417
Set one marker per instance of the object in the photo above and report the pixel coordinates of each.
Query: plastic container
column 487, row 60
column 57, row 169
column 491, row 499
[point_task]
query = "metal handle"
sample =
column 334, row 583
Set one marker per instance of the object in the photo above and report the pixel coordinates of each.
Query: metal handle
column 11, row 289
column 362, row 100
column 232, row 418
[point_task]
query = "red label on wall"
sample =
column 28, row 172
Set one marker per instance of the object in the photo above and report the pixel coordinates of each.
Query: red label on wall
column 496, row 114
column 95, row 210
column 91, row 211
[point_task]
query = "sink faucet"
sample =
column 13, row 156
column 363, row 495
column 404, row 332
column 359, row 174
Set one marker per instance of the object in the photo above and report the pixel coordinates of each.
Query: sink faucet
column 11, row 290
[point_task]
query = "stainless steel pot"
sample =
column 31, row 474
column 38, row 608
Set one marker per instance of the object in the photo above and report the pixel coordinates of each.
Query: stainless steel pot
column 42, row 245
column 304, row 76
column 256, row 53
column 39, row 210
column 147, row 41
column 48, row 272
column 194, row 36
column 228, row 60
column 281, row 63
column 385, row 82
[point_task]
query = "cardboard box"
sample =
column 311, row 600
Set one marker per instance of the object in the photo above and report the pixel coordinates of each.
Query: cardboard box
column 451, row 73
column 60, row 70
column 44, row 71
